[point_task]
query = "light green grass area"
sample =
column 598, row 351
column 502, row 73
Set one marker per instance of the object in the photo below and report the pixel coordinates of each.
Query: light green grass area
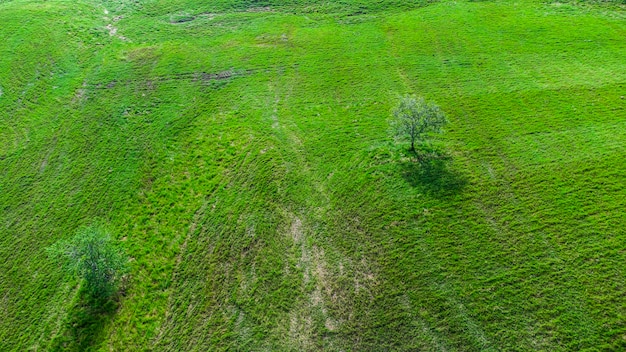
column 241, row 151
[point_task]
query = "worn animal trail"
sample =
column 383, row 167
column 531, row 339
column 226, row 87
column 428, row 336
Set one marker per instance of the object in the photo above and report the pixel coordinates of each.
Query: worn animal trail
column 111, row 27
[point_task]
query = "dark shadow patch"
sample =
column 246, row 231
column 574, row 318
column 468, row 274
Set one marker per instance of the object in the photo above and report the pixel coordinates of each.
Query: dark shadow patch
column 432, row 171
column 182, row 19
column 83, row 326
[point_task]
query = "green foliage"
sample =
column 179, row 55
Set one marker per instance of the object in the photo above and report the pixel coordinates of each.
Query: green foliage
column 244, row 157
column 415, row 120
column 92, row 256
column 294, row 6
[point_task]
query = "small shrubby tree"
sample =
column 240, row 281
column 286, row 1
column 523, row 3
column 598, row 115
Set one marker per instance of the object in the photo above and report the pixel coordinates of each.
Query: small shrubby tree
column 92, row 256
column 415, row 120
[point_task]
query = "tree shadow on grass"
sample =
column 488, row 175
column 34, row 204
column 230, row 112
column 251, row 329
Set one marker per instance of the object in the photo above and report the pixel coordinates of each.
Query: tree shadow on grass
column 431, row 170
column 82, row 329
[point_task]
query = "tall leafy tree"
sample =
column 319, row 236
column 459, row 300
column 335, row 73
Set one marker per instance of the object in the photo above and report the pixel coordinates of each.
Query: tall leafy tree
column 415, row 120
column 92, row 256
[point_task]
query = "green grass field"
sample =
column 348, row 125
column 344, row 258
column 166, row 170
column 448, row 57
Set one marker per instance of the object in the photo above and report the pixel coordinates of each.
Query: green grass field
column 241, row 151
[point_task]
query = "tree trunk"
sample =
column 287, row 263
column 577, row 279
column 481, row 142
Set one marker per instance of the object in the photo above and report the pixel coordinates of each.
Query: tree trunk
column 417, row 156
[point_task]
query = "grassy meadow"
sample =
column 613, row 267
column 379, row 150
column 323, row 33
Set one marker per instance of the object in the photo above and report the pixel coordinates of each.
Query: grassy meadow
column 240, row 150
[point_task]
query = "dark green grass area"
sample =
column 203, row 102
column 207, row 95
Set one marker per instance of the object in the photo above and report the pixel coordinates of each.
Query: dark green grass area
column 241, row 152
column 343, row 7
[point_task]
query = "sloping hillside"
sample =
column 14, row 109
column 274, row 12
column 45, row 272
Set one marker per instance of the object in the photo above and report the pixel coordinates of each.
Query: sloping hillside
column 241, row 151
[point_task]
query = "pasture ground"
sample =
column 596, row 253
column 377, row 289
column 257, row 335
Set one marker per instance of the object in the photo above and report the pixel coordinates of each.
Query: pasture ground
column 241, row 153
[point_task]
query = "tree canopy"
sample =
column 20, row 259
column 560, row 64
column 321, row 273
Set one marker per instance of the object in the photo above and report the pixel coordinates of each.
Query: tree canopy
column 415, row 120
column 92, row 256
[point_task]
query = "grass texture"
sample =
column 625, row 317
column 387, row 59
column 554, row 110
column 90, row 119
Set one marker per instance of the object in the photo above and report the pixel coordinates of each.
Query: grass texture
column 241, row 152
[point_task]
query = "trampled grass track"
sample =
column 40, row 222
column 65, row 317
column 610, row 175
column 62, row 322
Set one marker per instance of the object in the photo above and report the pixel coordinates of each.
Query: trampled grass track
column 268, row 210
